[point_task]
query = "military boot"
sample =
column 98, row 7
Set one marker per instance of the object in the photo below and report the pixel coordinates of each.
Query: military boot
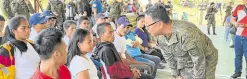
column 214, row 31
column 208, row 31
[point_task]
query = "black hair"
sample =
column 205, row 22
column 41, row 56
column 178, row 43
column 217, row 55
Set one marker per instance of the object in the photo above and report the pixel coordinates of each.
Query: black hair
column 101, row 28
column 78, row 36
column 82, row 18
column 2, row 18
column 158, row 13
column 140, row 17
column 212, row 3
column 83, row 6
column 14, row 23
column 46, row 42
column 67, row 24
column 144, row 28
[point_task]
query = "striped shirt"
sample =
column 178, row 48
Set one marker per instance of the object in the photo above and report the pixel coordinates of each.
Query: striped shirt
column 242, row 19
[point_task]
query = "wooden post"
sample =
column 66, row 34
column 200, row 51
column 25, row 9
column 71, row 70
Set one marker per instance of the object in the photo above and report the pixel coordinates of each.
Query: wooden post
column 36, row 6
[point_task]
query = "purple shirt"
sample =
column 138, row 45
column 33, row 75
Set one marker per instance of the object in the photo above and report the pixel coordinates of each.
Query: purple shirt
column 143, row 36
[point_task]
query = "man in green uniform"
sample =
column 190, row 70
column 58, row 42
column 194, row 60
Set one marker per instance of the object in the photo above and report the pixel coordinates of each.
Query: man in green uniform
column 22, row 7
column 211, row 11
column 228, row 11
column 6, row 8
column 58, row 9
column 115, row 10
column 188, row 51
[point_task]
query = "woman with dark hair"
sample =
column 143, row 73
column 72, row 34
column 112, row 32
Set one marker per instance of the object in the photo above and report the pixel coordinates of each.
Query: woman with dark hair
column 18, row 56
column 148, row 45
column 80, row 65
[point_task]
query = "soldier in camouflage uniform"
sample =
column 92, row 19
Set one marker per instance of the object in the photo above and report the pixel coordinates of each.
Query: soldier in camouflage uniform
column 211, row 11
column 188, row 51
column 6, row 8
column 22, row 7
column 149, row 4
column 228, row 11
column 115, row 10
column 58, row 9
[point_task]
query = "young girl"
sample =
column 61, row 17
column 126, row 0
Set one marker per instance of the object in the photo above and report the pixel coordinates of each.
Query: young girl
column 80, row 65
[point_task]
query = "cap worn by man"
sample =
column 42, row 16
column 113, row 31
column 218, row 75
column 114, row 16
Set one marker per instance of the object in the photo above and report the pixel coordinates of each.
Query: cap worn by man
column 49, row 14
column 37, row 18
column 100, row 15
column 123, row 21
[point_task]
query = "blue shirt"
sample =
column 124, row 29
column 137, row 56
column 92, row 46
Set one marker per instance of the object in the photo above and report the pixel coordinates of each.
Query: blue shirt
column 228, row 19
column 143, row 36
column 133, row 52
column 97, row 4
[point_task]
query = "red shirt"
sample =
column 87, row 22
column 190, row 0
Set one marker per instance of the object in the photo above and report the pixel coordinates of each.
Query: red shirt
column 63, row 74
column 242, row 18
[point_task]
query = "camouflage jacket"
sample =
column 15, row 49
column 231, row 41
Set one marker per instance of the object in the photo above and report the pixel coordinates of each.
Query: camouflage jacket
column 57, row 8
column 189, row 52
column 228, row 10
column 211, row 11
column 19, row 7
column 6, row 8
column 115, row 10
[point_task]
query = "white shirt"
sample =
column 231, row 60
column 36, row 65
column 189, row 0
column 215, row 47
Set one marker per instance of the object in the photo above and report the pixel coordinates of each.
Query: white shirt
column 120, row 44
column 33, row 34
column 66, row 40
column 26, row 63
column 79, row 64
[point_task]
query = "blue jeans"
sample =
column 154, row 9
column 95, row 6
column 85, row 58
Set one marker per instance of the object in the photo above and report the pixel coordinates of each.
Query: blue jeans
column 227, row 32
column 240, row 50
column 150, row 60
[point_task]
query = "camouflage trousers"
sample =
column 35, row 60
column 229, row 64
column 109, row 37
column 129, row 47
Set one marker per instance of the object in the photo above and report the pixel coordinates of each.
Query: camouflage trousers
column 211, row 62
column 211, row 22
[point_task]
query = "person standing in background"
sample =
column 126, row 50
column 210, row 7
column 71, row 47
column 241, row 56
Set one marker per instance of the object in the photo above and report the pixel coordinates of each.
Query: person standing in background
column 22, row 7
column 228, row 11
column 239, row 20
column 6, row 8
column 58, row 9
column 149, row 4
column 115, row 10
column 211, row 11
column 85, row 9
column 97, row 7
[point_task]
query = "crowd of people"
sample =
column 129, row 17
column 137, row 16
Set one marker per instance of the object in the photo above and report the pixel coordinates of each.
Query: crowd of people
column 79, row 41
